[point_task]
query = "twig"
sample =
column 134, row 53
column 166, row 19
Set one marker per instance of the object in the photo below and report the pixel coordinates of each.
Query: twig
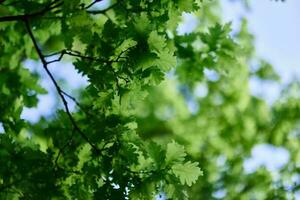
column 58, row 89
column 53, row 54
column 48, row 8
column 120, row 55
column 62, row 53
column 72, row 98
column 91, row 4
column 78, row 104
column 75, row 54
column 95, row 12
column 63, row 148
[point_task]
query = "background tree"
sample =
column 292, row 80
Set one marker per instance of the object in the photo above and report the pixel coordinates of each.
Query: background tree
column 132, row 135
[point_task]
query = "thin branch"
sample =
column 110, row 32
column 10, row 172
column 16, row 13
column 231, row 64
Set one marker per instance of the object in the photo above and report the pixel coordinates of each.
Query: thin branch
column 72, row 98
column 78, row 104
column 120, row 55
column 91, row 4
column 23, row 17
column 75, row 54
column 58, row 89
column 79, row 55
column 63, row 148
column 52, row 18
column 53, row 54
column 62, row 53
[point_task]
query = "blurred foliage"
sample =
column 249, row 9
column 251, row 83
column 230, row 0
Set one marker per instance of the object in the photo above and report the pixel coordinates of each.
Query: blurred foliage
column 133, row 135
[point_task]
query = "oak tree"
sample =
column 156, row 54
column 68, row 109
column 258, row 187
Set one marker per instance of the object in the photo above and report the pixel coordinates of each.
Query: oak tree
column 132, row 135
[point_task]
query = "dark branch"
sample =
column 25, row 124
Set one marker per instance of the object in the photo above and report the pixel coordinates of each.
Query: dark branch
column 91, row 4
column 81, row 107
column 68, row 143
column 72, row 98
column 58, row 89
column 53, row 54
column 75, row 54
column 79, row 55
column 49, row 7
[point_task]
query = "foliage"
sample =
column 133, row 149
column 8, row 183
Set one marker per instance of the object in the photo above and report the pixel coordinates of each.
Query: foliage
column 133, row 136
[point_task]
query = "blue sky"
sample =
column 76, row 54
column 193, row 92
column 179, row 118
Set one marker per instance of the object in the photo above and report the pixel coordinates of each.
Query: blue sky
column 276, row 27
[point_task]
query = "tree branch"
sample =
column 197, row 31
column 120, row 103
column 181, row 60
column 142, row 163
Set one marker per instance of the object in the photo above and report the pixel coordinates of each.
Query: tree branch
column 75, row 54
column 58, row 89
column 72, row 98
column 91, row 4
column 49, row 7
column 69, row 142
column 81, row 107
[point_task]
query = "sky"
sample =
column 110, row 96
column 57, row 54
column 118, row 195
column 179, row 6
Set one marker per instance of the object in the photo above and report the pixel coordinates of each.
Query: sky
column 276, row 27
column 277, row 32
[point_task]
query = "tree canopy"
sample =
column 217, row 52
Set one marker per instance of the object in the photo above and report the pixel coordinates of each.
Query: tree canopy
column 132, row 134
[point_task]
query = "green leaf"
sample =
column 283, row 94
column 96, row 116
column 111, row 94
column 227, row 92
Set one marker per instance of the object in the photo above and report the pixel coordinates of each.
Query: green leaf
column 156, row 42
column 142, row 23
column 187, row 173
column 187, row 5
column 156, row 153
column 166, row 61
column 125, row 45
column 146, row 61
column 175, row 153
column 176, row 192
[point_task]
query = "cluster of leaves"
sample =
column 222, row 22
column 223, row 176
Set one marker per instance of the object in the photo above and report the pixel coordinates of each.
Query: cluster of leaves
column 122, row 49
column 133, row 136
